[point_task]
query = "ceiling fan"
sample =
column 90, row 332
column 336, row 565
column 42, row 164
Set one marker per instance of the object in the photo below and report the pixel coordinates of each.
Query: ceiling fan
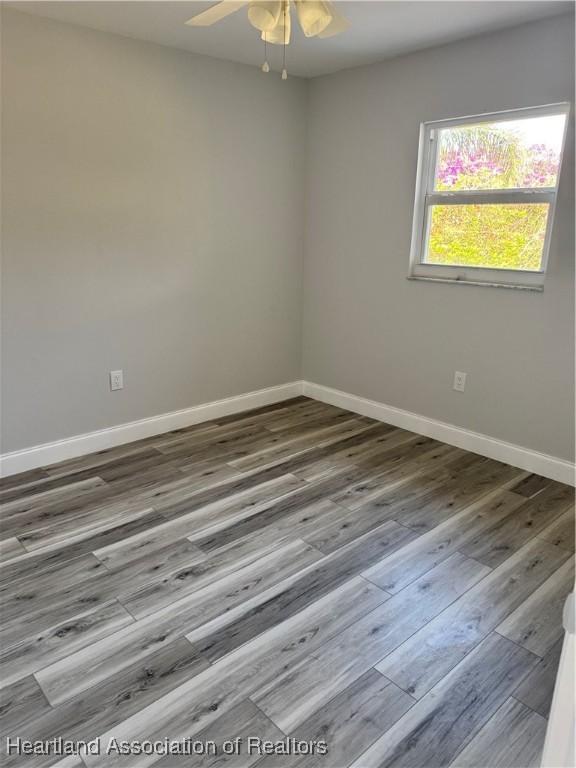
column 272, row 19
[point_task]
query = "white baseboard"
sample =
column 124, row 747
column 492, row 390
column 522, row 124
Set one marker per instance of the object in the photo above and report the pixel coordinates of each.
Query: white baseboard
column 509, row 453
column 80, row 445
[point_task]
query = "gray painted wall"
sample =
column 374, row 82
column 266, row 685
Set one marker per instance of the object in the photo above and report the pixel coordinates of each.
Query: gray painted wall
column 153, row 221
column 154, row 216
column 371, row 332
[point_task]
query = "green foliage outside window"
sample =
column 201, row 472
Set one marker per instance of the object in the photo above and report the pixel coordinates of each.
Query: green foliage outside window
column 499, row 236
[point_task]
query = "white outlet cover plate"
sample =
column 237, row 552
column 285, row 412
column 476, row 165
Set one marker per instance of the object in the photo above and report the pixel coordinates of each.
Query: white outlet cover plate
column 116, row 380
column 459, row 381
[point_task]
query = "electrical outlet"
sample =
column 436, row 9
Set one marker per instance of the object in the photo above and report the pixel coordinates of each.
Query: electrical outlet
column 116, row 380
column 459, row 381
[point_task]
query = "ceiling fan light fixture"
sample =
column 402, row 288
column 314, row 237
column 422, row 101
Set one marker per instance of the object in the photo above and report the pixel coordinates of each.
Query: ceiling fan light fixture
column 280, row 34
column 314, row 16
column 318, row 18
column 265, row 15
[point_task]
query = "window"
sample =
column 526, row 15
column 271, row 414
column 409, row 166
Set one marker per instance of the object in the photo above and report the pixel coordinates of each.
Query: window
column 485, row 196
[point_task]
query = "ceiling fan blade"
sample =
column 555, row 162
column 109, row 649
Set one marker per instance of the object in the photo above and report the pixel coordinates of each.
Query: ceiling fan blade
column 337, row 25
column 216, row 13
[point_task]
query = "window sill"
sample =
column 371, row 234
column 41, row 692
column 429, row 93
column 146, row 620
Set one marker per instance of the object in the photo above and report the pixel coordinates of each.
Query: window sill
column 482, row 283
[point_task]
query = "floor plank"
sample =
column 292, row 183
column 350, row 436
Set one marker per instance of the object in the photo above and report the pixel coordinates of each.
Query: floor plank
column 376, row 440
column 531, row 486
column 65, row 504
column 21, row 480
column 561, row 532
column 20, row 703
column 453, row 493
column 512, row 738
column 437, row 727
column 324, row 576
column 429, row 654
column 537, row 623
column 51, row 558
column 209, row 571
column 102, row 706
column 507, row 535
column 96, row 517
column 537, row 689
column 199, row 702
column 348, row 723
column 274, row 512
column 77, row 672
column 245, row 723
column 299, row 690
column 31, row 595
column 10, row 548
column 58, row 641
column 431, row 548
column 318, row 438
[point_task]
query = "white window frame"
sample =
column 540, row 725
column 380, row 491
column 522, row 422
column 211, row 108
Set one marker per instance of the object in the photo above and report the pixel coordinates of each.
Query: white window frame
column 426, row 196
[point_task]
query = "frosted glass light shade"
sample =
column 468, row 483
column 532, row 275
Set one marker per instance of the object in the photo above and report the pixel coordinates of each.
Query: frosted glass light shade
column 314, row 16
column 280, row 34
column 265, row 15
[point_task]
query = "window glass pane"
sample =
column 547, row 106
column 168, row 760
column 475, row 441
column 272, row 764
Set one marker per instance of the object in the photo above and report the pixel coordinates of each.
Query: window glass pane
column 500, row 155
column 495, row 236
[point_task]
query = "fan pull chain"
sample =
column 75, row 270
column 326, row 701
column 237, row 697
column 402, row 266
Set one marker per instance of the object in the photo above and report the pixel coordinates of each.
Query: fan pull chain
column 265, row 66
column 284, row 71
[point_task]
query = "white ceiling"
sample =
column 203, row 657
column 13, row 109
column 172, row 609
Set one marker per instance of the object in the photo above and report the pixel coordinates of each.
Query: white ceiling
column 379, row 29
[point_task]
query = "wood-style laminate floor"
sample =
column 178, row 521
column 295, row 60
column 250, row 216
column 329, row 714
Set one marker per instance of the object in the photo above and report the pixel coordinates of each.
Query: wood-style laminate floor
column 295, row 571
